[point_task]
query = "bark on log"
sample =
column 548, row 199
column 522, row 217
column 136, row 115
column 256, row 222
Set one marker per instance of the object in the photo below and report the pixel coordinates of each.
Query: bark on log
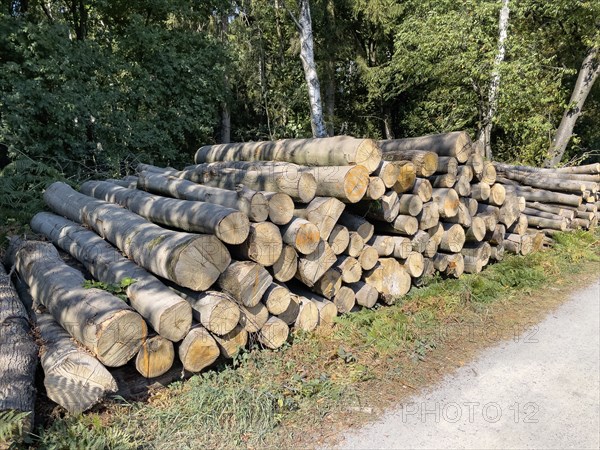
column 413, row 264
column 327, row 311
column 253, row 318
column 443, row 181
column 497, row 195
column 252, row 203
column 18, row 354
column 538, row 195
column 471, row 205
column 290, row 315
column 286, row 265
column 425, row 161
column 355, row 244
column 402, row 247
column 358, row 224
column 476, row 232
column 229, row 225
column 453, row 238
column 344, row 300
column 347, row 183
column 520, row 226
column 462, row 187
column 542, row 222
column 489, row 174
column 465, row 172
column 419, row 241
column 198, row 350
column 263, row 245
column 245, row 281
column 156, row 357
column 476, row 162
column 312, row 267
column 190, row 260
column 456, row 143
column 103, row 323
column 339, row 238
column 411, row 205
column 329, row 284
column 166, row 312
column 331, row 151
column 480, row 191
column 386, row 208
column 324, row 212
column 308, row 315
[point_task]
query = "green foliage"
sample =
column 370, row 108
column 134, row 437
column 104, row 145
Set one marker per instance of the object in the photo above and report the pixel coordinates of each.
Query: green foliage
column 11, row 426
column 118, row 290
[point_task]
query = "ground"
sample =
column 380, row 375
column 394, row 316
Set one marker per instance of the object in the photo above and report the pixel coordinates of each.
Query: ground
column 321, row 385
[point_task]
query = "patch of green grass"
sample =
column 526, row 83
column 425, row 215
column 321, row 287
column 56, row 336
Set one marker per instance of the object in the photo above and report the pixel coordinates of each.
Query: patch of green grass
column 268, row 398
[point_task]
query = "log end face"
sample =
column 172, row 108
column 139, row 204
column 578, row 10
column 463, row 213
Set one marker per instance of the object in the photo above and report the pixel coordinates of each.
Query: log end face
column 155, row 357
column 200, row 263
column 356, row 183
column 368, row 154
column 307, row 238
column 120, row 338
column 307, row 187
column 198, row 350
column 234, row 228
column 175, row 321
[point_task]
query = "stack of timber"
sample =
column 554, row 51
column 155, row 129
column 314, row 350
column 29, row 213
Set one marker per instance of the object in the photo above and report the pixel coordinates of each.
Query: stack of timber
column 252, row 241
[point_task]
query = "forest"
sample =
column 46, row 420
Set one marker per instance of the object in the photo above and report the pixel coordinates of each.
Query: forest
column 91, row 88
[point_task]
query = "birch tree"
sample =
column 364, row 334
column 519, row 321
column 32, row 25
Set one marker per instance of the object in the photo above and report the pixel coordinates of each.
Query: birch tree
column 486, row 131
column 588, row 73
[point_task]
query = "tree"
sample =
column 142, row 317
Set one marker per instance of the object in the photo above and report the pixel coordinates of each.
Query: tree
column 588, row 73
column 307, row 56
column 486, row 132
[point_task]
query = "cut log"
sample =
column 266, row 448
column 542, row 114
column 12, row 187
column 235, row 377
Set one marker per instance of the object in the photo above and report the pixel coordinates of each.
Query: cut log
column 480, row 191
column 518, row 244
column 216, row 311
column 246, row 282
column 446, row 180
column 488, row 175
column 425, row 162
column 389, row 278
column 286, row 265
column 123, row 183
column 447, row 201
column 290, row 315
column 385, row 209
column 103, row 323
column 324, row 212
column 18, row 355
column 277, row 298
column 510, row 210
column 376, row 189
column 428, row 272
column 312, row 267
column 520, row 226
column 308, row 315
column 462, row 187
column 339, row 238
column 383, row 245
column 231, row 343
column 72, row 377
column 410, row 205
column 281, row 207
column 476, row 232
column 447, row 165
column 344, row 300
column 429, row 216
column 423, row 189
column 406, row 225
column 347, row 183
column 585, row 169
column 141, row 167
column 465, row 172
column 543, row 222
column 253, row 318
column 406, row 177
column 497, row 252
column 432, row 248
column 355, row 244
column 252, row 203
column 229, row 225
column 166, row 312
column 368, row 257
column 274, row 333
column 366, row 295
column 463, row 216
column 456, row 143
column 476, row 162
column 496, row 236
column 327, row 311
column 539, row 195
column 329, row 284
column 413, row 264
column 453, row 238
column 402, row 247
column 357, row 223
column 198, row 350
column 263, row 245
column 471, row 205
column 497, row 195
column 155, row 357
column 302, row 235
column 456, row 265
column 330, row 151
column 190, row 260
column 350, row 268
column 548, row 182
column 388, row 172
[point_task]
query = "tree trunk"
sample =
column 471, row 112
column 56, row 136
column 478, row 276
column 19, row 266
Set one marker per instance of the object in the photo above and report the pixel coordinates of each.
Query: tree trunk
column 103, row 323
column 389, row 278
column 357, row 223
column 332, row 151
column 231, row 343
column 229, row 225
column 190, row 260
column 169, row 314
column 486, row 132
column 425, row 161
column 588, row 73
column 18, row 354
column 252, row 203
column 376, row 189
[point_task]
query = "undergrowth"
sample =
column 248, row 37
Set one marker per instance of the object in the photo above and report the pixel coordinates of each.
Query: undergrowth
column 272, row 398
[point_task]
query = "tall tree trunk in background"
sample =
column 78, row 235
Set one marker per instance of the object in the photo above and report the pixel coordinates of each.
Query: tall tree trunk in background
column 486, row 132
column 590, row 68
column 225, row 113
column 307, row 56
column 330, row 98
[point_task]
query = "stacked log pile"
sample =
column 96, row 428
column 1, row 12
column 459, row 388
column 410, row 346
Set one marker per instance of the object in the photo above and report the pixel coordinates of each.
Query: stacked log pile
column 257, row 239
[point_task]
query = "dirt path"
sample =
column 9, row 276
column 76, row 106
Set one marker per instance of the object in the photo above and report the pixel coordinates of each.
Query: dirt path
column 538, row 390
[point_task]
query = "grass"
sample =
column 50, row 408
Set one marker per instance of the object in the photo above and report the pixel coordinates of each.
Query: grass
column 299, row 393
